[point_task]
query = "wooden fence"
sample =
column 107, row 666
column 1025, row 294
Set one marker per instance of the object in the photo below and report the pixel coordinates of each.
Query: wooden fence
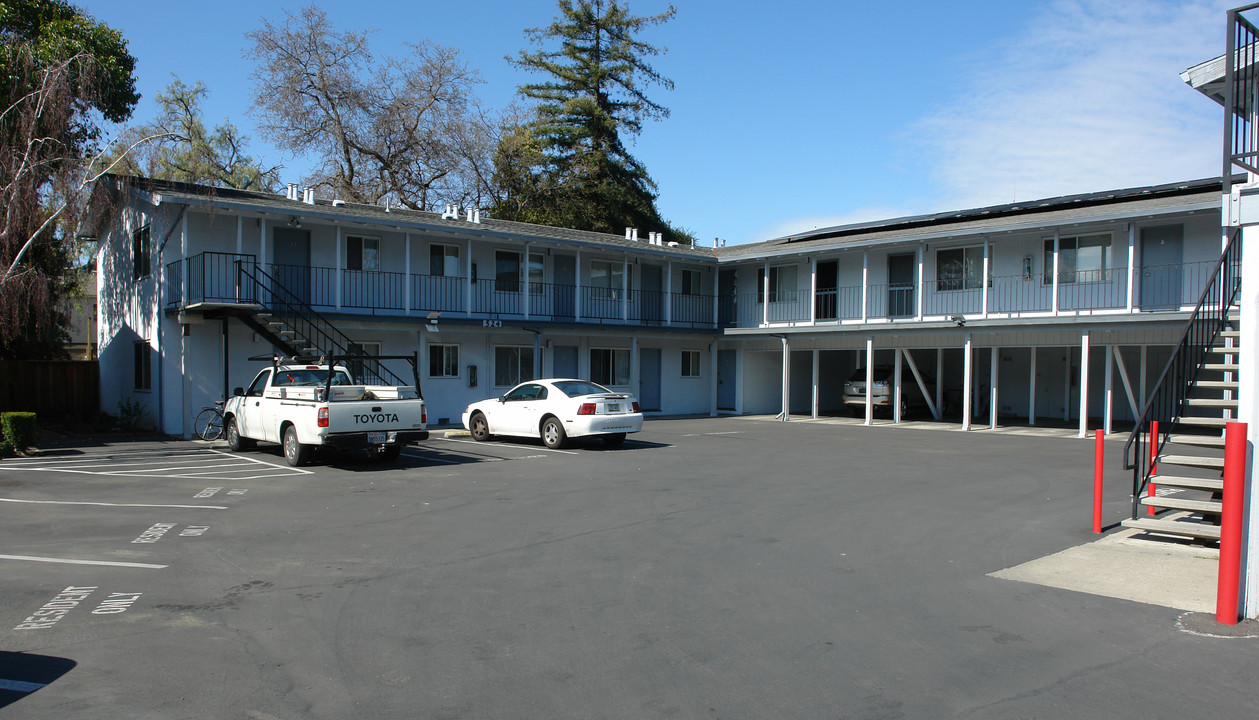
column 53, row 389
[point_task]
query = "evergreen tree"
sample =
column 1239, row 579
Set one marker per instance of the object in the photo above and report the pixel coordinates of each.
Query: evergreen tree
column 571, row 167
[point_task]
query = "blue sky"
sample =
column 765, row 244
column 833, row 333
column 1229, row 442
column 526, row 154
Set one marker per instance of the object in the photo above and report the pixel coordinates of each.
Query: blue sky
column 798, row 114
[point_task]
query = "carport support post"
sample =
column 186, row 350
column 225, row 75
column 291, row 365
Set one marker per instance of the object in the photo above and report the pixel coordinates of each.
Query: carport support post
column 992, row 387
column 786, row 414
column 869, row 379
column 1084, row 384
column 966, row 382
column 1031, row 390
column 817, row 355
column 896, row 387
column 1109, row 385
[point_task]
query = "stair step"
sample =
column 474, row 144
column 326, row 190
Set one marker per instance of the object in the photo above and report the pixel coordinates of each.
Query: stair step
column 1174, row 527
column 1201, row 461
column 1230, row 333
column 1213, row 441
column 1212, row 402
column 1209, row 507
column 1216, row 384
column 1218, row 422
column 1226, row 349
column 1188, row 483
column 1222, row 367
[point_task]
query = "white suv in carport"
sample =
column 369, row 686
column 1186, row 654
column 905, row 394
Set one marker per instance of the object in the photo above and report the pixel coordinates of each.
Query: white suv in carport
column 911, row 395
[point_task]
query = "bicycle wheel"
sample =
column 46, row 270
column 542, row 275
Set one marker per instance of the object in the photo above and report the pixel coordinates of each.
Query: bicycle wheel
column 209, row 424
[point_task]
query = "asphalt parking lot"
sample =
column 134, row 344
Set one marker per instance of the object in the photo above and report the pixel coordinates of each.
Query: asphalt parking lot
column 708, row 568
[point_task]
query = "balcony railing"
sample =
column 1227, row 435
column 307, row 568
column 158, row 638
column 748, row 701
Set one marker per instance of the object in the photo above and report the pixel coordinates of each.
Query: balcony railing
column 214, row 278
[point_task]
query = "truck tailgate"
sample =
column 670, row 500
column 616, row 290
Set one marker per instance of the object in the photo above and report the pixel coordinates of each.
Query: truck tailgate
column 375, row 415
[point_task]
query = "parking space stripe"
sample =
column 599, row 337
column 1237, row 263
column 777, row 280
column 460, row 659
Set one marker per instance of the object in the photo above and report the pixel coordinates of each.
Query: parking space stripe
column 69, row 561
column 105, row 504
column 196, row 464
column 530, row 448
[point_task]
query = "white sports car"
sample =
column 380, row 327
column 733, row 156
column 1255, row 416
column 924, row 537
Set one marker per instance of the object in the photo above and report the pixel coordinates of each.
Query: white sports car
column 555, row 410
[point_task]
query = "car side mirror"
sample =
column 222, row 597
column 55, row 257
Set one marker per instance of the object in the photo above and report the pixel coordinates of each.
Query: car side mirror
column 502, row 398
column 239, row 392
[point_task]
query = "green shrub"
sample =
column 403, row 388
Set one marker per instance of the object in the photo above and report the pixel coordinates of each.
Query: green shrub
column 18, row 428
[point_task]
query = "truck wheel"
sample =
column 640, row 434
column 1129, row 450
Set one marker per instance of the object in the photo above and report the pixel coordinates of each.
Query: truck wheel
column 389, row 453
column 234, row 440
column 479, row 427
column 553, row 435
column 295, row 453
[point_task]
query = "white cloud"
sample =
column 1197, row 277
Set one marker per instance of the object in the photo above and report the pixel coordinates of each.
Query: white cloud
column 1086, row 98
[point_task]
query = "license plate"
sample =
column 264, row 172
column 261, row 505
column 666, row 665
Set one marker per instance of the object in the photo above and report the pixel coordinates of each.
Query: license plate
column 614, row 407
column 376, row 438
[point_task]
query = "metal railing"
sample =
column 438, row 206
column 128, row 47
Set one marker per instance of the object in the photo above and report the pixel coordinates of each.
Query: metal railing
column 211, row 278
column 1241, row 138
column 1167, row 402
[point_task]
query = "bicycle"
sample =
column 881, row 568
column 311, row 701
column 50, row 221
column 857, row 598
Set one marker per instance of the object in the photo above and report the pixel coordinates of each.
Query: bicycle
column 209, row 422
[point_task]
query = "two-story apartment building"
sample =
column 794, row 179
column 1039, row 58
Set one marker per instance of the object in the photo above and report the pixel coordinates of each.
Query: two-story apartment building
column 1018, row 313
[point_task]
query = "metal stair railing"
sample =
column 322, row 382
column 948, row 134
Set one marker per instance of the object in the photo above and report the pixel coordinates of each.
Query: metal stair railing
column 312, row 328
column 1168, row 401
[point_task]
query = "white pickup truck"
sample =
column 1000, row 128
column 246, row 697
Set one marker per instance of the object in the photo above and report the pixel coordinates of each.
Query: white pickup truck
column 307, row 403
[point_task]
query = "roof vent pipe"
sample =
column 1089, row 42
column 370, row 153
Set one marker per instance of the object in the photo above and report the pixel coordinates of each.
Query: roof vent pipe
column 452, row 212
column 308, row 196
column 292, row 191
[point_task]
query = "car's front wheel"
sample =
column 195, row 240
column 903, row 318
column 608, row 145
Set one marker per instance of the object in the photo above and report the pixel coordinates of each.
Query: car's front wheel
column 234, row 440
column 553, row 435
column 479, row 427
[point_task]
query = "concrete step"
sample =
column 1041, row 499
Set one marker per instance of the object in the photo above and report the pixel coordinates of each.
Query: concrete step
column 1188, row 483
column 1230, row 333
column 1175, row 527
column 1212, row 403
column 1222, row 367
column 1206, row 507
column 1216, row 384
column 1199, row 461
column 1211, row 441
column 1215, row 422
column 1226, row 349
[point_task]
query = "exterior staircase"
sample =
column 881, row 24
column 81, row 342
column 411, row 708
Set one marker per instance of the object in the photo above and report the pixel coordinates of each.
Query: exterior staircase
column 1188, row 468
column 1178, row 468
column 294, row 328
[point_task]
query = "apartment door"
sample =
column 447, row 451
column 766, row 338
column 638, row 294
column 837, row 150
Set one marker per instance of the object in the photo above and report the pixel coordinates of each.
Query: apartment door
column 565, row 288
column 564, row 361
column 649, row 378
column 291, row 264
column 652, row 296
column 1162, row 267
column 900, row 285
column 727, row 365
column 825, row 302
column 726, row 289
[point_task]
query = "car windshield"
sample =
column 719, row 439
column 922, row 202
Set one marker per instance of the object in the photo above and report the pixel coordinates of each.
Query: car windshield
column 577, row 388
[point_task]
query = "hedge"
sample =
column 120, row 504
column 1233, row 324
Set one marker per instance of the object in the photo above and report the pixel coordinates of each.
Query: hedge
column 18, row 429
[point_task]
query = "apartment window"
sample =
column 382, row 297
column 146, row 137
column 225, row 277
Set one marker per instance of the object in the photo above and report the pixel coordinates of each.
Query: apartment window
column 782, row 284
column 512, row 365
column 143, row 365
column 609, row 366
column 507, row 271
column 607, row 277
column 1081, row 259
column 690, row 363
column 690, row 282
column 362, row 253
column 443, row 260
column 443, row 361
column 536, row 273
column 365, row 371
column 141, row 249
column 960, row 268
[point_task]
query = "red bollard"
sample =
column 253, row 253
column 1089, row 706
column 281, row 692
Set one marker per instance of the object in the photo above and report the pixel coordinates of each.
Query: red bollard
column 1226, row 597
column 1150, row 510
column 1098, row 447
